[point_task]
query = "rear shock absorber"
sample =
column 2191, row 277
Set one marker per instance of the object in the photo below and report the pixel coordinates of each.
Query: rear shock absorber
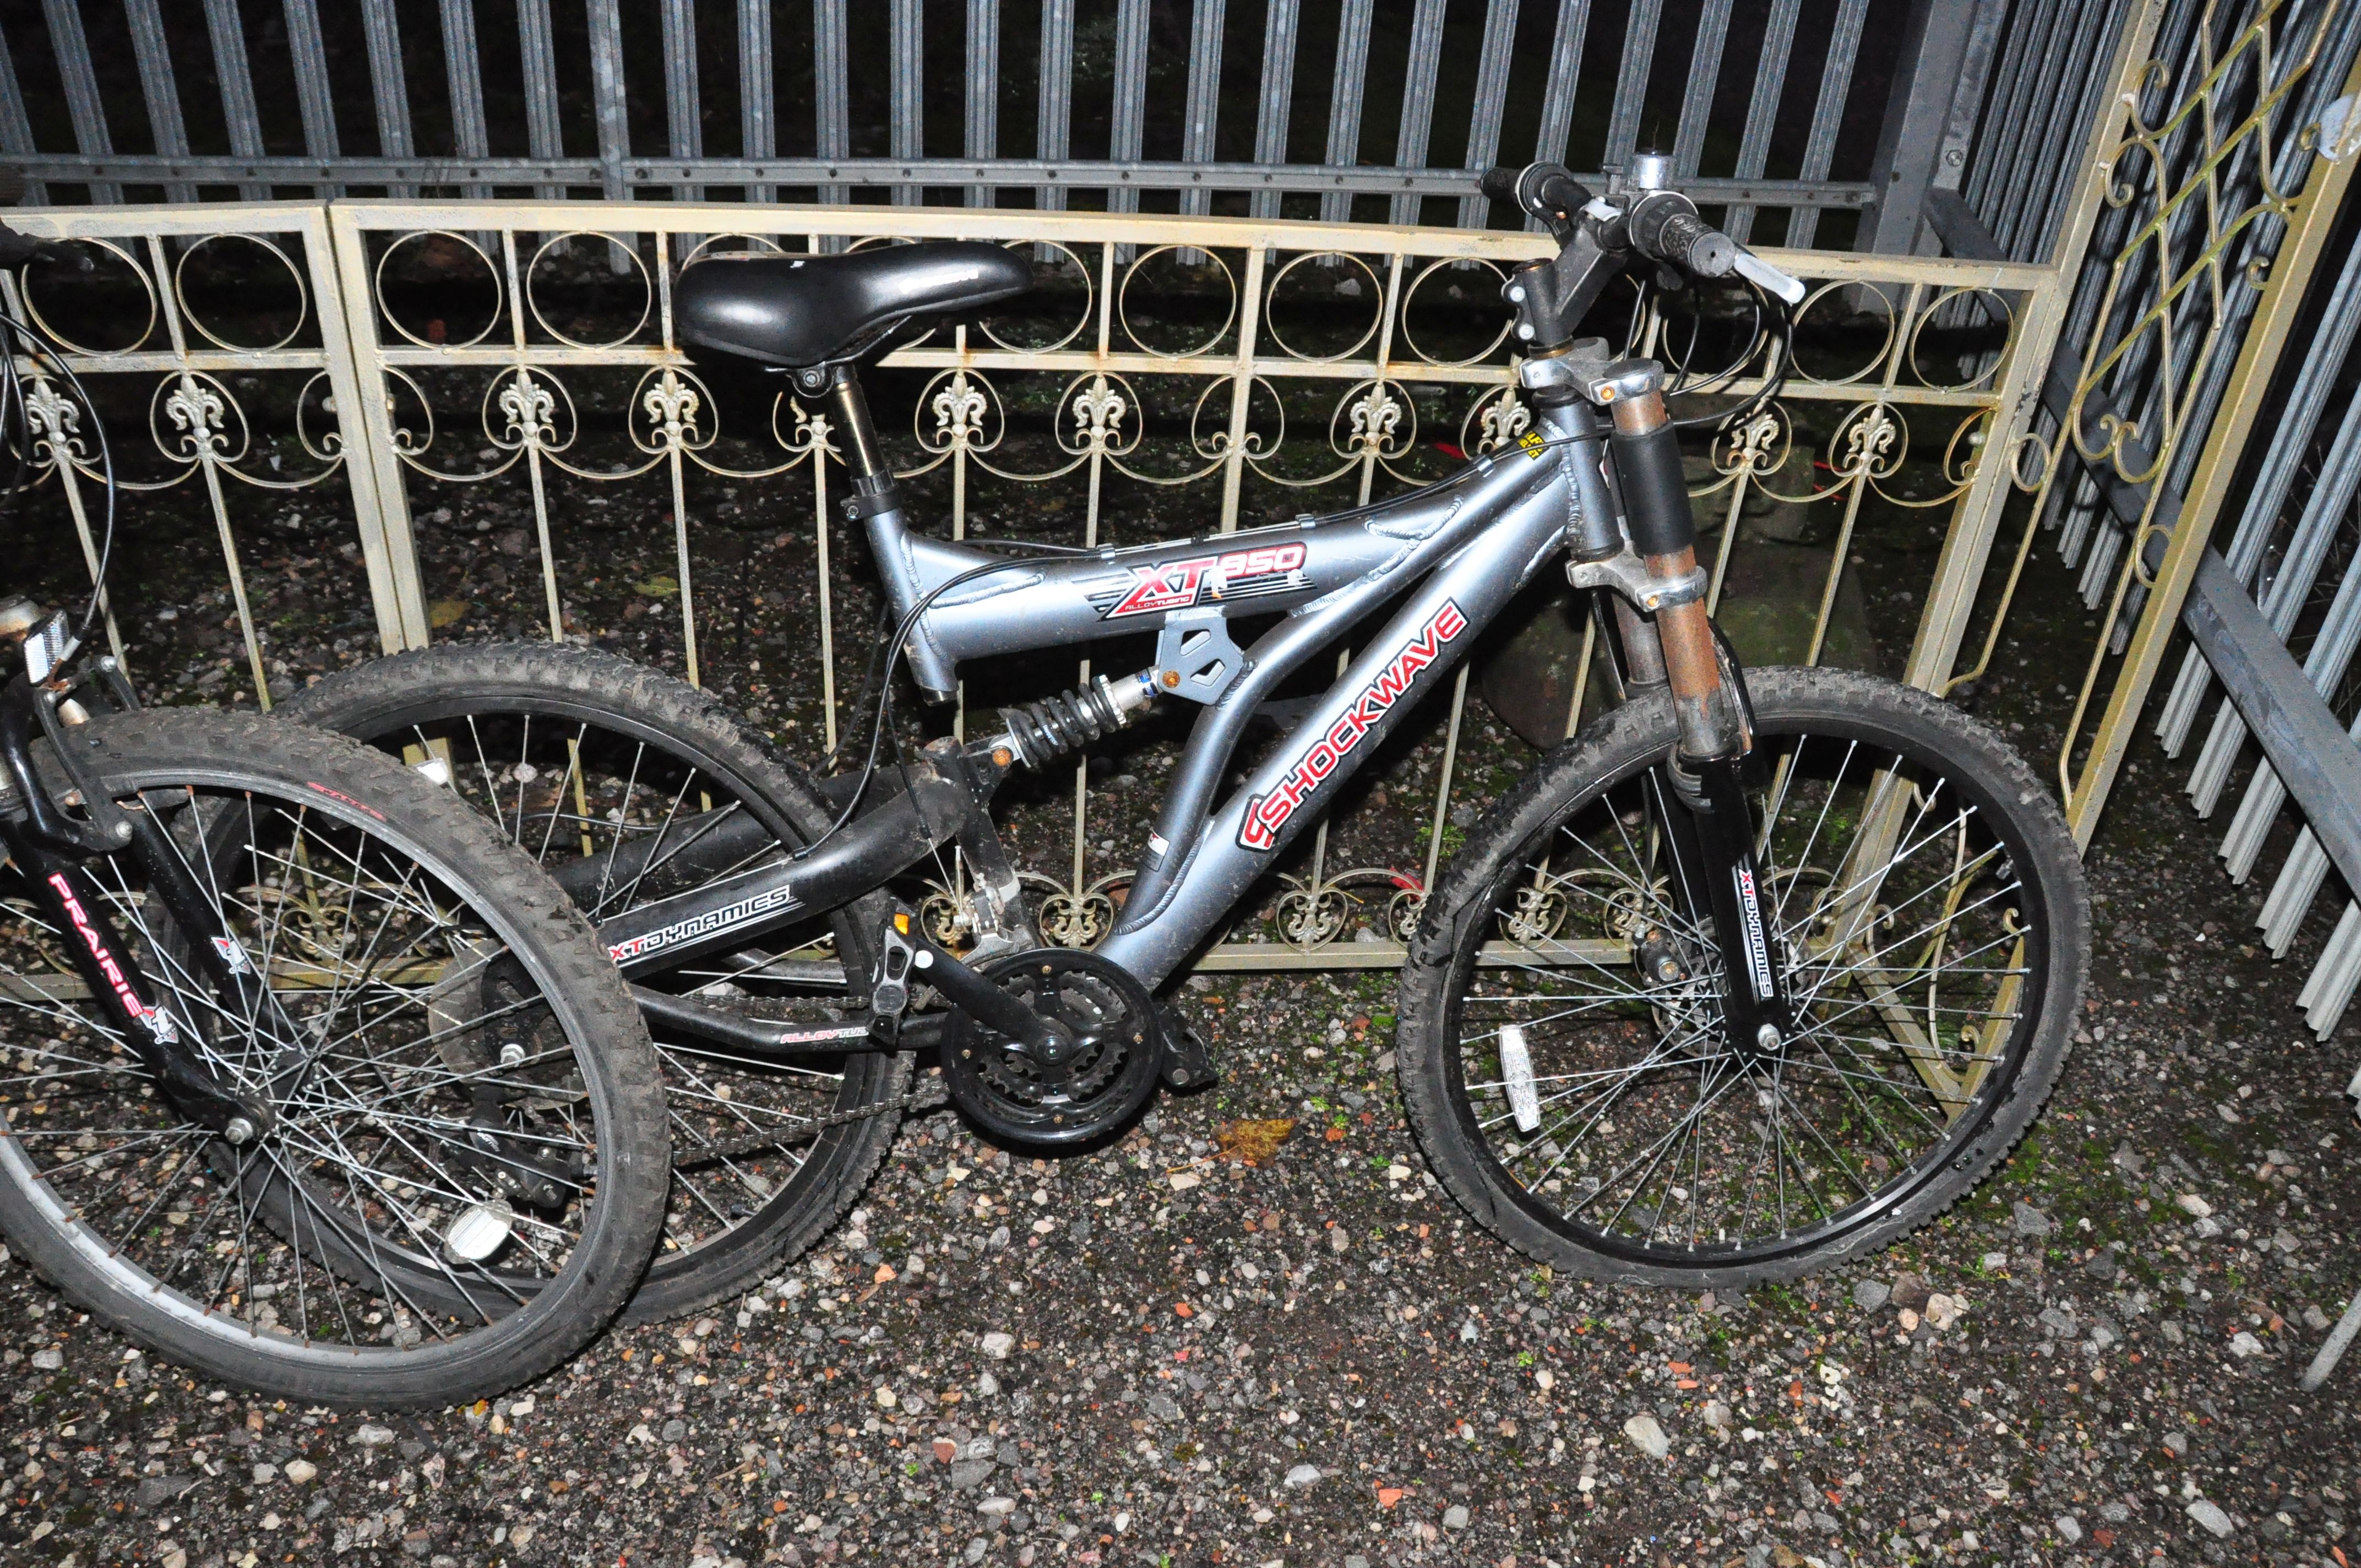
column 1041, row 732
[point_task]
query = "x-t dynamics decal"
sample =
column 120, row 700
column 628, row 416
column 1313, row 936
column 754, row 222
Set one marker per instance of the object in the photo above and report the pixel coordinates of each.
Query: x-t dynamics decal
column 1267, row 814
column 768, row 902
column 1164, row 585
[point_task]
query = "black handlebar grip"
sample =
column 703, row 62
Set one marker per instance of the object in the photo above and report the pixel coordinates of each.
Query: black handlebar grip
column 1696, row 246
column 15, row 249
column 1500, row 184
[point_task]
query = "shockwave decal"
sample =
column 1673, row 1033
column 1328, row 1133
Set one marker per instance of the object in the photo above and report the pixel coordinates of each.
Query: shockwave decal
column 722, row 919
column 1267, row 814
column 159, row 1022
column 1166, row 586
column 1758, row 951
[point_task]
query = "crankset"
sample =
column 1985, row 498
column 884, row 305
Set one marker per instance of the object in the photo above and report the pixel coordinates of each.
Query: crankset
column 1098, row 1057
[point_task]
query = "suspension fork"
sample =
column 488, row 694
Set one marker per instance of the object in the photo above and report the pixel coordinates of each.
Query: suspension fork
column 1711, row 841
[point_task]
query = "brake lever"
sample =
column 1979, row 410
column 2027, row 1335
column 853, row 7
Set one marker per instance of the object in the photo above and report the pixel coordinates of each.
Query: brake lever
column 1769, row 278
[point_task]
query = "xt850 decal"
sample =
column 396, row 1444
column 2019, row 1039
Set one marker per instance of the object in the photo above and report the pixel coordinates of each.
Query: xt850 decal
column 1164, row 585
column 1267, row 814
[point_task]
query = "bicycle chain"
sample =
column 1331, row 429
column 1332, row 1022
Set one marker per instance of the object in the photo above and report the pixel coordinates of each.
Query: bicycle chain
column 929, row 1098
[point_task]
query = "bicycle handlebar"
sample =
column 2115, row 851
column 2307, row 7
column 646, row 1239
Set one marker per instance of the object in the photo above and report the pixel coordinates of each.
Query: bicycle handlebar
column 1661, row 225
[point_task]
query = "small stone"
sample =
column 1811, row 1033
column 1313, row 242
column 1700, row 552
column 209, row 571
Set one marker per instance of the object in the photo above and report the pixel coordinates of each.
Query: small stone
column 1304, row 1476
column 998, row 1345
column 1338, row 1240
column 2285, row 1241
column 1994, row 1262
column 2177, row 1442
column 996, row 1508
column 1456, row 1517
column 155, row 1491
column 2069, row 1528
column 2211, row 1518
column 1545, row 1380
column 1647, row 1436
column 2193, row 1206
column 2314, row 1319
column 1163, row 1407
column 969, row 1474
column 1910, row 1293
column 2244, row 1345
column 2205, row 1229
column 301, row 1470
column 1869, row 1295
column 2029, row 1221
column 373, row 1436
column 986, row 1385
column 1942, row 1311
column 265, row 1474
column 524, row 1407
column 49, row 1359
column 1717, row 1415
column 2101, row 1264
column 885, row 1397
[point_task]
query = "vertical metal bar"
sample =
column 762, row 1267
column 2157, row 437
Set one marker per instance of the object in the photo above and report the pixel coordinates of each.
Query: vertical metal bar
column 314, row 99
column 544, row 137
column 1346, row 99
column 831, row 104
column 389, row 90
column 1705, row 74
column 341, row 290
column 1129, row 124
column 1828, row 113
column 237, row 78
column 1564, row 70
column 1054, row 111
column 1762, row 109
column 1203, row 105
column 157, row 86
column 16, row 128
column 906, row 65
column 1278, row 98
column 758, row 122
column 1418, row 101
column 1242, row 385
column 463, row 78
column 683, row 125
column 982, row 141
column 72, row 47
column 1492, row 61
column 612, row 111
column 1631, row 83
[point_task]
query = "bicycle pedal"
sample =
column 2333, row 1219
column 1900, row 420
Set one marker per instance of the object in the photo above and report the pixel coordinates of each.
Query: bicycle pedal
column 1187, row 1062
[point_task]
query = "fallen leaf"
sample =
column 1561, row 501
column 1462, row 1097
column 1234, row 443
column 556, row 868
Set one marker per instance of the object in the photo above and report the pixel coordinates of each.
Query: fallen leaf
column 657, row 587
column 1253, row 1143
column 448, row 612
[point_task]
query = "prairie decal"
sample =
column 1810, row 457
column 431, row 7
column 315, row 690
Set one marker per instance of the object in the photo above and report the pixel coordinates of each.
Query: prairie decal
column 1178, row 584
column 1267, row 814
column 160, row 1022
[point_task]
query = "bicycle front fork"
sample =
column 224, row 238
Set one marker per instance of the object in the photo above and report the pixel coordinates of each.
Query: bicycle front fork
column 1667, row 639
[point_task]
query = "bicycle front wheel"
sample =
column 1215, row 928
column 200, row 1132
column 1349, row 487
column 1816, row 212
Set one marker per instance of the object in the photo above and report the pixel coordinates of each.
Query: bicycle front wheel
column 463, row 1175
column 1561, row 1046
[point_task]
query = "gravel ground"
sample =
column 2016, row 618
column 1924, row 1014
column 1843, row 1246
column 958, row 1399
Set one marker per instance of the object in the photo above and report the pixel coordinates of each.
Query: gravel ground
column 1156, row 1355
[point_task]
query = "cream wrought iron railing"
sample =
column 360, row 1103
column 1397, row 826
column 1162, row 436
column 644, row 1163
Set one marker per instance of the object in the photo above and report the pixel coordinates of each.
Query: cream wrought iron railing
column 1175, row 367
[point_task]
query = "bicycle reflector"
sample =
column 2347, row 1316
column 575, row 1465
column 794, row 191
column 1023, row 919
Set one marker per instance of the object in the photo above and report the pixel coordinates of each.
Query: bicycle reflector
column 1517, row 1074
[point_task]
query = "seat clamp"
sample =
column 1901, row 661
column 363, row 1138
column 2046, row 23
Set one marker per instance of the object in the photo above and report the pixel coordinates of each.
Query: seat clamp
column 886, row 496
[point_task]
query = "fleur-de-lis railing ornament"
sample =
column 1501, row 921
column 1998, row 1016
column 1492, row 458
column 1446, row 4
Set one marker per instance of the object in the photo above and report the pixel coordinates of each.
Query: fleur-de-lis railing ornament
column 672, row 405
column 529, row 407
column 1871, row 448
column 198, row 413
column 1372, row 421
column 1099, row 411
column 1502, row 420
column 958, row 411
column 1753, row 447
column 54, row 422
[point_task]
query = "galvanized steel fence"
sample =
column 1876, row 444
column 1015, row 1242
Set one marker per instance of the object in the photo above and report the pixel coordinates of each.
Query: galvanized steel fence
column 1773, row 103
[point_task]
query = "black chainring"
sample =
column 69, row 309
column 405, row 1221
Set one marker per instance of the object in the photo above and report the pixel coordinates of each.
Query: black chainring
column 1112, row 1059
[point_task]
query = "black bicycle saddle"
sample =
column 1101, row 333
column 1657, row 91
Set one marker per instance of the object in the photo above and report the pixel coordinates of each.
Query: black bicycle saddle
column 799, row 311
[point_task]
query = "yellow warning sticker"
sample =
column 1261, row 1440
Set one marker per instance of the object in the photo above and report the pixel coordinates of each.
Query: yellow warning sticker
column 1533, row 444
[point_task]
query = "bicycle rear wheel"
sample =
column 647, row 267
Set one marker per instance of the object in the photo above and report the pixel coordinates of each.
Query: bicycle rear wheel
column 579, row 757
column 465, row 1172
column 1561, row 1048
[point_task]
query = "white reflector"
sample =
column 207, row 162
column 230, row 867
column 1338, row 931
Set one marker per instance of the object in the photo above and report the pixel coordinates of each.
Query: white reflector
column 1517, row 1072
column 436, row 770
column 479, row 1231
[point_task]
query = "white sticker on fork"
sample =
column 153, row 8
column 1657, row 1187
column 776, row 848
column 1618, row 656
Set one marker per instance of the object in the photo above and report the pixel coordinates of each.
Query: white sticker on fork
column 1517, row 1073
column 436, row 770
